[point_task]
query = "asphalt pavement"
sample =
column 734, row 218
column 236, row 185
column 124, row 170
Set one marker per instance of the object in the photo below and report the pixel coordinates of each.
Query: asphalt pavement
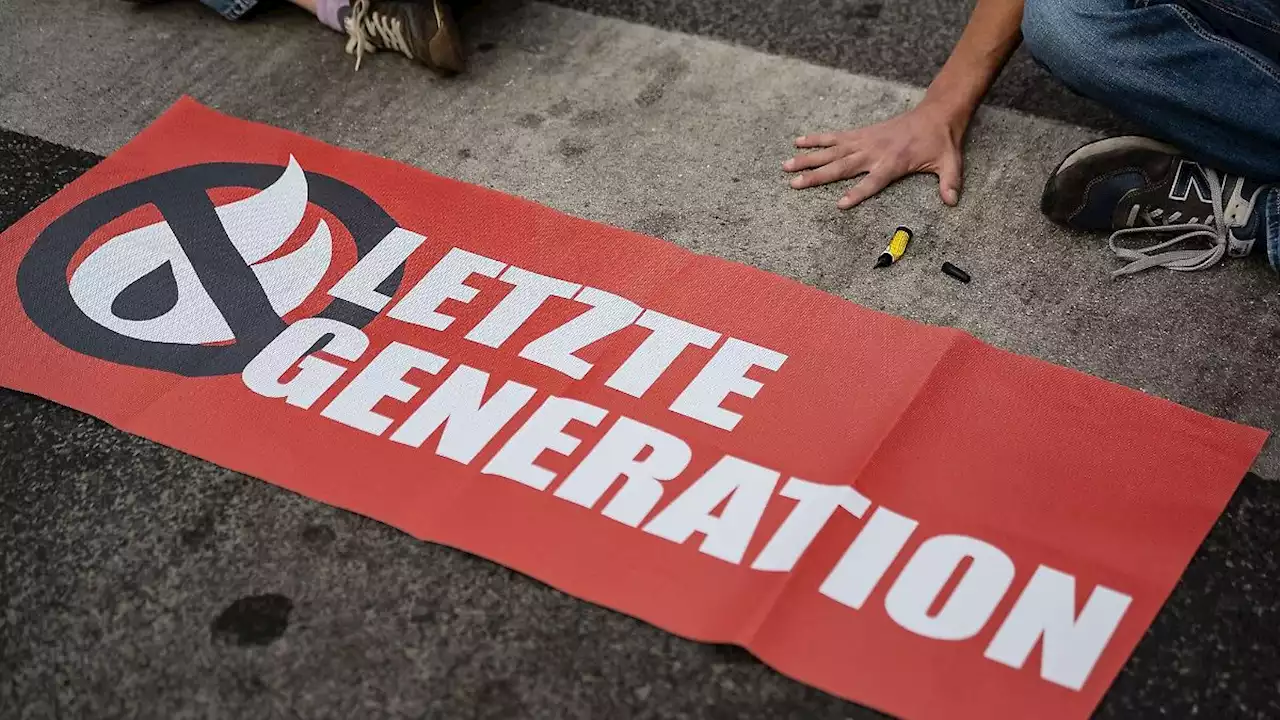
column 140, row 582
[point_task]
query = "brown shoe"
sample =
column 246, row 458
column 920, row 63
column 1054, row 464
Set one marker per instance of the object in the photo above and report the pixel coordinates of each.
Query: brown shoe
column 423, row 31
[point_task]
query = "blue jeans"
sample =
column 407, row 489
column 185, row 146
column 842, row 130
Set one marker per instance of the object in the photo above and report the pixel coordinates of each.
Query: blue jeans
column 1201, row 74
column 231, row 9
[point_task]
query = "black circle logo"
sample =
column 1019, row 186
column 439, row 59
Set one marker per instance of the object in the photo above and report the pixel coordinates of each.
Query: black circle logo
column 204, row 252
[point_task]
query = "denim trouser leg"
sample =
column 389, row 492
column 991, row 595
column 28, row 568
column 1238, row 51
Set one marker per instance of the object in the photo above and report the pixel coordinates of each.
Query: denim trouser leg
column 1181, row 69
column 231, row 9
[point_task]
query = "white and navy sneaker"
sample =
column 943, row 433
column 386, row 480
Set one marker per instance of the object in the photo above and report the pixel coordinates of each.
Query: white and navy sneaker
column 1137, row 187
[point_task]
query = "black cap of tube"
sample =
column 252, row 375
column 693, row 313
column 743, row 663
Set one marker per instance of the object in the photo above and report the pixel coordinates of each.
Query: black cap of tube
column 955, row 272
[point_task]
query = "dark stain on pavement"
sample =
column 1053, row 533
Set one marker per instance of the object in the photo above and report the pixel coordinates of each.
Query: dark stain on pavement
column 498, row 699
column 252, row 685
column 319, row 535
column 199, row 532
column 572, row 149
column 561, row 108
column 659, row 224
column 464, row 154
column 530, row 120
column 196, row 535
column 253, row 620
column 867, row 10
column 669, row 67
column 592, row 119
column 424, row 617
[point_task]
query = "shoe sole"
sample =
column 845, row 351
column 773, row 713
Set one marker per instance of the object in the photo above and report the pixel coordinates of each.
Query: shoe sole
column 443, row 47
column 1112, row 144
column 1122, row 142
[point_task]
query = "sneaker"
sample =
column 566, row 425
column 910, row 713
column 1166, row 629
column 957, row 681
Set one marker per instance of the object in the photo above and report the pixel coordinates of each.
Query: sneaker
column 1137, row 187
column 423, row 31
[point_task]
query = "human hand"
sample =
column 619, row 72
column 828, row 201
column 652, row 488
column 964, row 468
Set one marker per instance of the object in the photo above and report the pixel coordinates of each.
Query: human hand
column 923, row 139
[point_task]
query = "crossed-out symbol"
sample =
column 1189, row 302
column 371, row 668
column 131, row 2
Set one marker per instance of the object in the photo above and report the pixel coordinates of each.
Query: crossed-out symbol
column 182, row 198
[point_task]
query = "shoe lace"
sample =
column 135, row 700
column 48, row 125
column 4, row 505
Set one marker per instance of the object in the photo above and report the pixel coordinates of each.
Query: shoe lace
column 1213, row 228
column 366, row 28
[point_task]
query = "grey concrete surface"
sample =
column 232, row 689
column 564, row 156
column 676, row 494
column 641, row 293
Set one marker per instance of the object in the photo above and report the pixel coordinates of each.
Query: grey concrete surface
column 904, row 40
column 139, row 582
column 680, row 137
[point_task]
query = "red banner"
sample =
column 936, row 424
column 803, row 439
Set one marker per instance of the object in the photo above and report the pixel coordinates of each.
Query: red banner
column 893, row 512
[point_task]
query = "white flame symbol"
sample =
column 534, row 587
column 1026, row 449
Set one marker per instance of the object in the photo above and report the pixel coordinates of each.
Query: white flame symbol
column 257, row 225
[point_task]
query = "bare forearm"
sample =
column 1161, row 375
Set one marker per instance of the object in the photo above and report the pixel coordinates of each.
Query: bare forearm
column 929, row 137
column 993, row 33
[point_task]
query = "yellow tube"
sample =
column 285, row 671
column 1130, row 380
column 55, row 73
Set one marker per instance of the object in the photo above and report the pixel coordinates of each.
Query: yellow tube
column 897, row 247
